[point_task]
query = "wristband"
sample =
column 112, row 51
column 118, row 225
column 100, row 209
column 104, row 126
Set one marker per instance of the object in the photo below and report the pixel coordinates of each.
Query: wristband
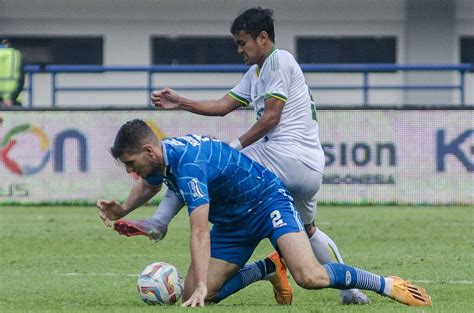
column 236, row 144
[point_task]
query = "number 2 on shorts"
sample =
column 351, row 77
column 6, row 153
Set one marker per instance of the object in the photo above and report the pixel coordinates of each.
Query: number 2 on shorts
column 276, row 218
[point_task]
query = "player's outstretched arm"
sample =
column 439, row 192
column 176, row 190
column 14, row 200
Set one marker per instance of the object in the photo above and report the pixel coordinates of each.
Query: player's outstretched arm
column 167, row 98
column 111, row 210
column 200, row 255
column 155, row 227
column 141, row 193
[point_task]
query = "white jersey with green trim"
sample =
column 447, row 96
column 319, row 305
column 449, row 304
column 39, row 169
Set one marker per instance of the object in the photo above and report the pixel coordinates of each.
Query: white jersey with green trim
column 297, row 133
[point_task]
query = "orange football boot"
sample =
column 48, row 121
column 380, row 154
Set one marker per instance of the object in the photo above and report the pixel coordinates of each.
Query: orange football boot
column 281, row 285
column 409, row 294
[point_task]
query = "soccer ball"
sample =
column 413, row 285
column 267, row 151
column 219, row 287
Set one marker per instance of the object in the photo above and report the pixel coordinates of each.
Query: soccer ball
column 160, row 283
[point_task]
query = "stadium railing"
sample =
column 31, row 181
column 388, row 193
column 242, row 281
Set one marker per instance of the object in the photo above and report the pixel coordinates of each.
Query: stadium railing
column 365, row 70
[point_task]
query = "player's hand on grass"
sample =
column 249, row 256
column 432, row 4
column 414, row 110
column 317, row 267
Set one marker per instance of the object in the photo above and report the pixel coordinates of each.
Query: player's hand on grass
column 197, row 298
column 166, row 98
column 110, row 210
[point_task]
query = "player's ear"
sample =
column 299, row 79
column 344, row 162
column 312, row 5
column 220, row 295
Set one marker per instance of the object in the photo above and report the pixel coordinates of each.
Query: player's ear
column 148, row 149
column 263, row 36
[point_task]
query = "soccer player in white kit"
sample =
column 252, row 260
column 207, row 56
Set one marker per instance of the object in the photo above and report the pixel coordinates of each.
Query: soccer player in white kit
column 285, row 138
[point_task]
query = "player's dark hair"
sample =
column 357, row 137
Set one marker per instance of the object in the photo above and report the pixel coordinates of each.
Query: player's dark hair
column 254, row 21
column 131, row 137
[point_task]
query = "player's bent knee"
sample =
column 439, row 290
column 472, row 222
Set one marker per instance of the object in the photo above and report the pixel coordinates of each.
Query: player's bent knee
column 212, row 297
column 186, row 296
column 310, row 279
column 310, row 229
column 310, row 282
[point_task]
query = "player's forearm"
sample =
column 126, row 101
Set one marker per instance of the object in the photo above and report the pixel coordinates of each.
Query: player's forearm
column 203, row 107
column 200, row 244
column 139, row 195
column 258, row 130
column 200, row 254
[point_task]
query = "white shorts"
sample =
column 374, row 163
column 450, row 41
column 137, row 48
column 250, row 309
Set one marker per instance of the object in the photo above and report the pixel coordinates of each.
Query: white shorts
column 302, row 181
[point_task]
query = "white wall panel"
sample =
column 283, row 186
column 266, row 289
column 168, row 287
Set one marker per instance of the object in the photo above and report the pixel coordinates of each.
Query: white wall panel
column 128, row 24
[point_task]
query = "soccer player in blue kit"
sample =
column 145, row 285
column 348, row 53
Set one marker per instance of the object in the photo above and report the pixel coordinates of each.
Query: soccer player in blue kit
column 245, row 203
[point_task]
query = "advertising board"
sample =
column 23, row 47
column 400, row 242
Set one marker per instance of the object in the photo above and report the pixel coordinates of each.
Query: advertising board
column 414, row 156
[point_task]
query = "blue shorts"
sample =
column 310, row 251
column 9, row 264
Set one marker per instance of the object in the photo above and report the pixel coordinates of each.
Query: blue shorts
column 236, row 243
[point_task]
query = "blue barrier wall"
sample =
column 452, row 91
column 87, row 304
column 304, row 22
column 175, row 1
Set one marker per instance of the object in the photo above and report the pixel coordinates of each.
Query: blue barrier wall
column 365, row 73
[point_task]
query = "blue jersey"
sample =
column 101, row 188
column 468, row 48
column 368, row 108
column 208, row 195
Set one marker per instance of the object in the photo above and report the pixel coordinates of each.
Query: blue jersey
column 201, row 170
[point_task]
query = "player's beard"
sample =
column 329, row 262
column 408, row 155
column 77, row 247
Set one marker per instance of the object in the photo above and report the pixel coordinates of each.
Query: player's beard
column 154, row 170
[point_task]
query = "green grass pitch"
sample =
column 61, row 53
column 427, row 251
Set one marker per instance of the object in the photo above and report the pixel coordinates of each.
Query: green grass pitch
column 63, row 259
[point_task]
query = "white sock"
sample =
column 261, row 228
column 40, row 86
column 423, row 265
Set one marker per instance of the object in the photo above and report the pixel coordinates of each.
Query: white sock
column 324, row 248
column 388, row 286
column 169, row 206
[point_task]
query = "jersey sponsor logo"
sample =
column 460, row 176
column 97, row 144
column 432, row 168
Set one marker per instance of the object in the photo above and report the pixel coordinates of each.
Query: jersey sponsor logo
column 196, row 191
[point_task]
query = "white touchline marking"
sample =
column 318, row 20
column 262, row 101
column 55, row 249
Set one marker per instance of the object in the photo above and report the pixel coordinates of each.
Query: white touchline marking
column 452, row 282
column 95, row 274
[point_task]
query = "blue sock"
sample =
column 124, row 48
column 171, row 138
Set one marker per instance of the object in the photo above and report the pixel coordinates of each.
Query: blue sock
column 342, row 276
column 249, row 274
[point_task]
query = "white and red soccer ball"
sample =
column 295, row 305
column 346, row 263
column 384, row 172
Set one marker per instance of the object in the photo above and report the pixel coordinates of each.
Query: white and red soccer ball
column 160, row 283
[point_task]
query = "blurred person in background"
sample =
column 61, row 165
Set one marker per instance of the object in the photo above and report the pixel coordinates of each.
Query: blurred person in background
column 12, row 75
column 285, row 138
